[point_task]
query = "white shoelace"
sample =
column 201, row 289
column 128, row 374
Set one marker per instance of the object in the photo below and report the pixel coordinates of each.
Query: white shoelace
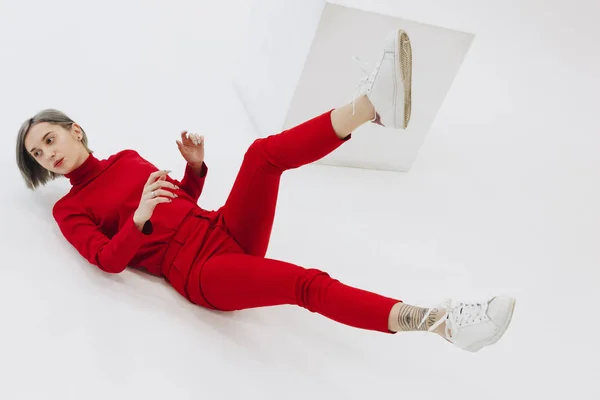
column 366, row 82
column 459, row 316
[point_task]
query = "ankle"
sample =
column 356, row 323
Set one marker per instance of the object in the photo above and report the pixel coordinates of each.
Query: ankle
column 365, row 108
column 441, row 330
column 433, row 319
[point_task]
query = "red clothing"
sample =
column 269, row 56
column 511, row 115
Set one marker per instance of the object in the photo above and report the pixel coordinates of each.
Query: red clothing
column 215, row 259
column 96, row 216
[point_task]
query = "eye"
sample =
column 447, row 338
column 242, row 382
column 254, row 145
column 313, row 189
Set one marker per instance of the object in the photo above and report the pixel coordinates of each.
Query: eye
column 49, row 140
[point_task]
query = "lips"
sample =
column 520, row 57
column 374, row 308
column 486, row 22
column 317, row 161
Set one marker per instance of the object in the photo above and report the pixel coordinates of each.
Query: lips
column 58, row 163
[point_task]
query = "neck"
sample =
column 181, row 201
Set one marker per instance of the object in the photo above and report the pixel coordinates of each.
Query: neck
column 87, row 168
column 82, row 160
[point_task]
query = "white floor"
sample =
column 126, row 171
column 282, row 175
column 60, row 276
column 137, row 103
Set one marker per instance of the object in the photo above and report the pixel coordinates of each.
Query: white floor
column 493, row 205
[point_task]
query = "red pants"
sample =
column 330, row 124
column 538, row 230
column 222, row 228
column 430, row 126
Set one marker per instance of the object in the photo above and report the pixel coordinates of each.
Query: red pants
column 238, row 276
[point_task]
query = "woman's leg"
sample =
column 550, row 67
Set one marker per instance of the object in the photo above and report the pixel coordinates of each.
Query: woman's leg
column 250, row 207
column 231, row 282
column 384, row 97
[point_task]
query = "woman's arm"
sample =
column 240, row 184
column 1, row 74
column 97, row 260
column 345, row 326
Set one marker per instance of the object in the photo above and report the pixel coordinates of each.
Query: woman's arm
column 193, row 180
column 191, row 147
column 111, row 255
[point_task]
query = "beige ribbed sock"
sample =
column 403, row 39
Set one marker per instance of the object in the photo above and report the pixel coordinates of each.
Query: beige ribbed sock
column 407, row 318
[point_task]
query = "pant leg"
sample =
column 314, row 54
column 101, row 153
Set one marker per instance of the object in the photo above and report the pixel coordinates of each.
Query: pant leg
column 240, row 281
column 249, row 210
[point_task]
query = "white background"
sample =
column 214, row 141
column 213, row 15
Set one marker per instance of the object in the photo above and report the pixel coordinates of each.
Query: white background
column 502, row 199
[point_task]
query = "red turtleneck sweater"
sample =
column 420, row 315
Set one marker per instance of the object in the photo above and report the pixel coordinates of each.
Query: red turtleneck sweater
column 96, row 216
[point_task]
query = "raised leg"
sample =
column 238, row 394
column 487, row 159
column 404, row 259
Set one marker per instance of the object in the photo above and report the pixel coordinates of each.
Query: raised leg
column 250, row 207
column 383, row 97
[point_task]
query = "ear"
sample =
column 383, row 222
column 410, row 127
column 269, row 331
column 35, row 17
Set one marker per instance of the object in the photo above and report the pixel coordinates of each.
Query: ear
column 77, row 132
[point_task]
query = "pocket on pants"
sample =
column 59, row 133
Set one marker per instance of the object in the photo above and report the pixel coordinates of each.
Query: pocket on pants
column 177, row 278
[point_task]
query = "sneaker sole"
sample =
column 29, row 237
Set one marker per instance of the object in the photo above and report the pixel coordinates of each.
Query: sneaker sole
column 478, row 346
column 404, row 65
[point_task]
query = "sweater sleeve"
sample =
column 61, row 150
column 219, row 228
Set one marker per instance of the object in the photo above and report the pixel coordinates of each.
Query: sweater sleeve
column 193, row 183
column 111, row 255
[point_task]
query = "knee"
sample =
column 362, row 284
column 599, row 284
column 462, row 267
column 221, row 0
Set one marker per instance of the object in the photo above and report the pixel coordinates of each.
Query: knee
column 259, row 155
column 312, row 287
column 256, row 150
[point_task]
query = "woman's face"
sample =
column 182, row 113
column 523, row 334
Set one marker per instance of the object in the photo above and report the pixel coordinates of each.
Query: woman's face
column 55, row 148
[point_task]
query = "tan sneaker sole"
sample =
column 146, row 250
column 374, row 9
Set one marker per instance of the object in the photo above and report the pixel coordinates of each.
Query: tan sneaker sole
column 405, row 52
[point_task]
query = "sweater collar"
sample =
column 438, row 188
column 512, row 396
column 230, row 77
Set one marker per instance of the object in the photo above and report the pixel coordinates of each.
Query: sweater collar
column 89, row 169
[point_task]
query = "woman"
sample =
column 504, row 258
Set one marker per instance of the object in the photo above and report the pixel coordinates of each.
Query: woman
column 123, row 211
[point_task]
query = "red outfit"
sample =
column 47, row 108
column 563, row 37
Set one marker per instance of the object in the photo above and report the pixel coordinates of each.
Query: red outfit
column 215, row 259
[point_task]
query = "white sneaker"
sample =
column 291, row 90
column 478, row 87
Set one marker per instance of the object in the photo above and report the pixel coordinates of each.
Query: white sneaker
column 473, row 326
column 388, row 84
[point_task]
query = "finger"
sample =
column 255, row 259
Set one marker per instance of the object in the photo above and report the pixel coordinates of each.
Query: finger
column 167, row 184
column 159, row 200
column 159, row 193
column 156, row 187
column 153, row 176
column 192, row 138
column 161, row 184
column 185, row 138
column 163, row 193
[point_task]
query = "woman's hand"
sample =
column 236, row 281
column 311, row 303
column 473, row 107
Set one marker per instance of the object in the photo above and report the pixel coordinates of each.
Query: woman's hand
column 191, row 148
column 154, row 193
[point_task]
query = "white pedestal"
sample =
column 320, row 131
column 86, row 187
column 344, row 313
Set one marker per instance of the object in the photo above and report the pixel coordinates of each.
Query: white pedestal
column 297, row 63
